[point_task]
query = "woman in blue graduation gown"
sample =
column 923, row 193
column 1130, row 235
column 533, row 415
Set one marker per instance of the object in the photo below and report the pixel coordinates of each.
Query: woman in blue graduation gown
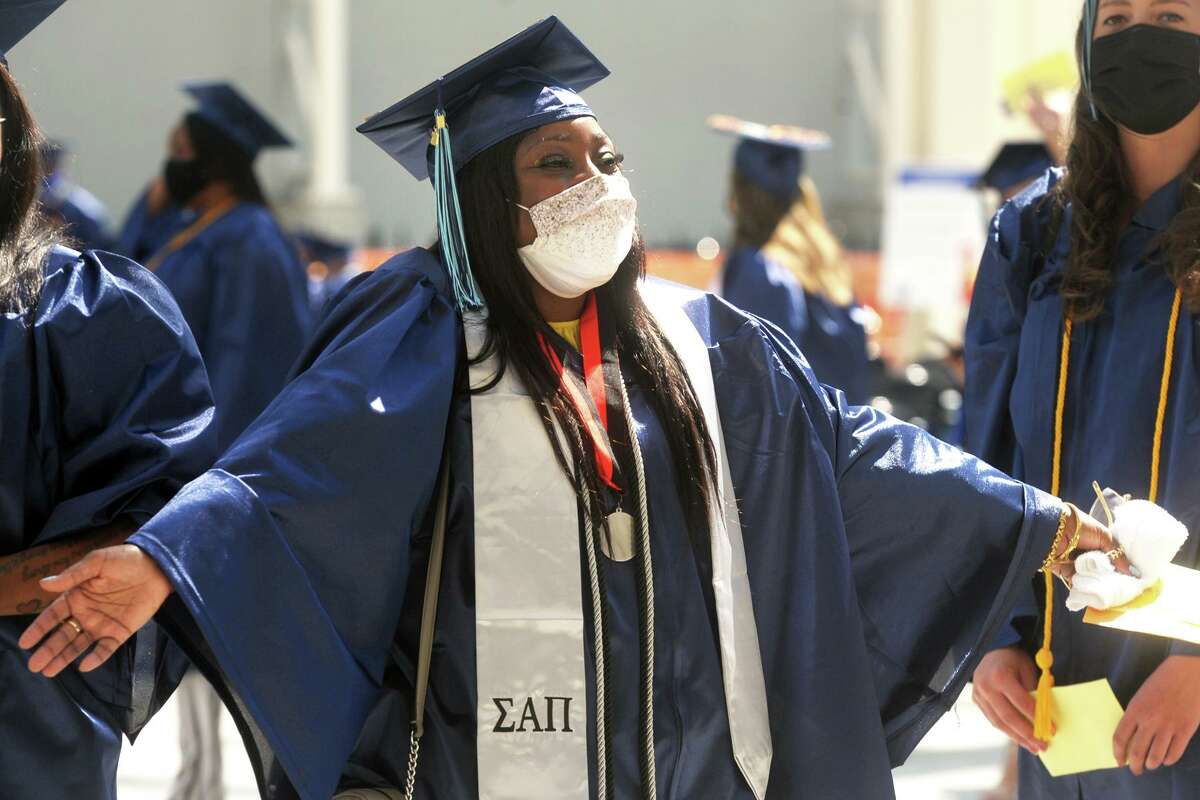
column 233, row 271
column 105, row 412
column 709, row 609
column 1089, row 287
column 82, row 215
column 151, row 222
column 786, row 265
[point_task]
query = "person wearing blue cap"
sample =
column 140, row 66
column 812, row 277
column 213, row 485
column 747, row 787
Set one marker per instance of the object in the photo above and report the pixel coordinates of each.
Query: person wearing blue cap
column 535, row 527
column 105, row 411
column 786, row 266
column 151, row 222
column 330, row 267
column 1082, row 365
column 233, row 270
column 1015, row 166
column 242, row 288
column 82, row 215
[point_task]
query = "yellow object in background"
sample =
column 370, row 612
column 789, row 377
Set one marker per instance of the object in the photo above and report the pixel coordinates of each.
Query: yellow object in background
column 1053, row 73
column 1086, row 716
column 1170, row 608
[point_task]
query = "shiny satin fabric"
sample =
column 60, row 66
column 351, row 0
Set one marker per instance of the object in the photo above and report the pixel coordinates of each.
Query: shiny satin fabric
column 831, row 337
column 244, row 294
column 844, row 512
column 529, row 618
column 1013, row 343
column 105, row 411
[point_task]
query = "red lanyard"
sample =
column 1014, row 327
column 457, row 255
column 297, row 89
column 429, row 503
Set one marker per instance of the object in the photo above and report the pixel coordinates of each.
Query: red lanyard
column 595, row 419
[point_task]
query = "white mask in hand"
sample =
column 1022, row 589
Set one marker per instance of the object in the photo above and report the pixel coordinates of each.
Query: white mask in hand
column 1150, row 537
column 583, row 235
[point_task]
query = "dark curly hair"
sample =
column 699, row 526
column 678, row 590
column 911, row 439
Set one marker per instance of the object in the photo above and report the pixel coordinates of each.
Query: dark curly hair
column 1097, row 190
column 26, row 235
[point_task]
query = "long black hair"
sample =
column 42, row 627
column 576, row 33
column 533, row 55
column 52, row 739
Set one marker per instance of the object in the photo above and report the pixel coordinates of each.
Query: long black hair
column 485, row 185
column 223, row 159
column 26, row 235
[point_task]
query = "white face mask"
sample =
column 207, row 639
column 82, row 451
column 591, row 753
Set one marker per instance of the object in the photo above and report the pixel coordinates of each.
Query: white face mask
column 583, row 235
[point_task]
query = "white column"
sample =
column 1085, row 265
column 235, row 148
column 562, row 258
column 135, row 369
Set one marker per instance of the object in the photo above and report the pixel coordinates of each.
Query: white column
column 330, row 109
column 329, row 204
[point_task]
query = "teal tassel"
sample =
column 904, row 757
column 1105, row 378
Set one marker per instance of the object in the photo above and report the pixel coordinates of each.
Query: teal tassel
column 449, row 222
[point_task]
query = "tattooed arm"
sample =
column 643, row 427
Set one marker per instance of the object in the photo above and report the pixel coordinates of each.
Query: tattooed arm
column 20, row 593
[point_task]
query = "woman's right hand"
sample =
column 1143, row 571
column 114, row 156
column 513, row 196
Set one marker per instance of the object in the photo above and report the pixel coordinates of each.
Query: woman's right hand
column 1002, row 688
column 104, row 599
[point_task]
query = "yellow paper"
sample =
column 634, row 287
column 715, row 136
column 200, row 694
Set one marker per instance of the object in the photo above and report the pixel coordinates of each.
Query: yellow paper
column 1050, row 74
column 1170, row 608
column 1085, row 719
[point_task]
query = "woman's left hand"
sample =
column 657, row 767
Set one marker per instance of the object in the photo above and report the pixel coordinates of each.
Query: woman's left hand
column 1162, row 717
column 103, row 600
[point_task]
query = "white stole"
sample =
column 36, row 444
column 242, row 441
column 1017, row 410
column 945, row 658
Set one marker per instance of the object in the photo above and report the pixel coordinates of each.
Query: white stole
column 529, row 622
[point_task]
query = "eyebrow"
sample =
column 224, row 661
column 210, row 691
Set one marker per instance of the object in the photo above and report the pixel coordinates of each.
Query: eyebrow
column 531, row 143
column 1108, row 3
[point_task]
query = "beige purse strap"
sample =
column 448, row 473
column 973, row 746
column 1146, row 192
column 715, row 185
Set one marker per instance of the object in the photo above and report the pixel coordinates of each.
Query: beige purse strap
column 433, row 583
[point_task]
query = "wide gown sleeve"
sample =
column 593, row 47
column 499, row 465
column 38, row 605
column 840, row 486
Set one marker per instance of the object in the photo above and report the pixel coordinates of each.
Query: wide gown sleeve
column 124, row 408
column 991, row 348
column 291, row 555
column 941, row 547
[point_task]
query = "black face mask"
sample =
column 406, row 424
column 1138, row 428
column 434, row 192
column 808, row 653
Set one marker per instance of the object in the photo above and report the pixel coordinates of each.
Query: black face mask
column 1146, row 78
column 184, row 178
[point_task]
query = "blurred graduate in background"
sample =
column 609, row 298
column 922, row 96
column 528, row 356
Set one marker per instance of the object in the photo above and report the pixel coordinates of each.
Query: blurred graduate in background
column 242, row 288
column 82, row 216
column 330, row 265
column 787, row 267
column 234, row 271
column 151, row 222
column 1015, row 166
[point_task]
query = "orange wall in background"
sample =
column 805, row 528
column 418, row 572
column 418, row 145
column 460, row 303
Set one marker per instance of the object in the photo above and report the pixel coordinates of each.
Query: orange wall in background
column 684, row 266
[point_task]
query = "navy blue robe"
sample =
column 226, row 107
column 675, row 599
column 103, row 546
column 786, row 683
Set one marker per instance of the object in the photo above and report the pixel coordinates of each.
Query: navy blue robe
column 844, row 511
column 1013, row 346
column 830, row 336
column 143, row 234
column 105, row 412
column 244, row 294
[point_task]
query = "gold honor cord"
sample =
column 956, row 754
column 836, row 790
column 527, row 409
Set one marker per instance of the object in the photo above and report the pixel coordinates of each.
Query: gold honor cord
column 185, row 236
column 1042, row 719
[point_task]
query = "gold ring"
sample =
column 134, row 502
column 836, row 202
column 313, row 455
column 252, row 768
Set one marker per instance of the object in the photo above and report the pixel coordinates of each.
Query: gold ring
column 74, row 623
column 1115, row 554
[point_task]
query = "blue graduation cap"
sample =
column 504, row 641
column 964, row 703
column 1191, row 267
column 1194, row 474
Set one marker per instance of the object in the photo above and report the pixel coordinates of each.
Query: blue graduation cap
column 319, row 248
column 770, row 156
column 18, row 18
column 226, row 109
column 530, row 80
column 1016, row 163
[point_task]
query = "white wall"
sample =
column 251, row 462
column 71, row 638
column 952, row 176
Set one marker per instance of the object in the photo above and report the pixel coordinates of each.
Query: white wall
column 104, row 75
column 947, row 60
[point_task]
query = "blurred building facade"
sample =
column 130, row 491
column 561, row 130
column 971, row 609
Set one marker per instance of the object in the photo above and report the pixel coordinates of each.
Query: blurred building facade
column 894, row 81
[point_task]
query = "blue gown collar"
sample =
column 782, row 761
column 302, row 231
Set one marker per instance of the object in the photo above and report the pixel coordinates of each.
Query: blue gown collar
column 1160, row 208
